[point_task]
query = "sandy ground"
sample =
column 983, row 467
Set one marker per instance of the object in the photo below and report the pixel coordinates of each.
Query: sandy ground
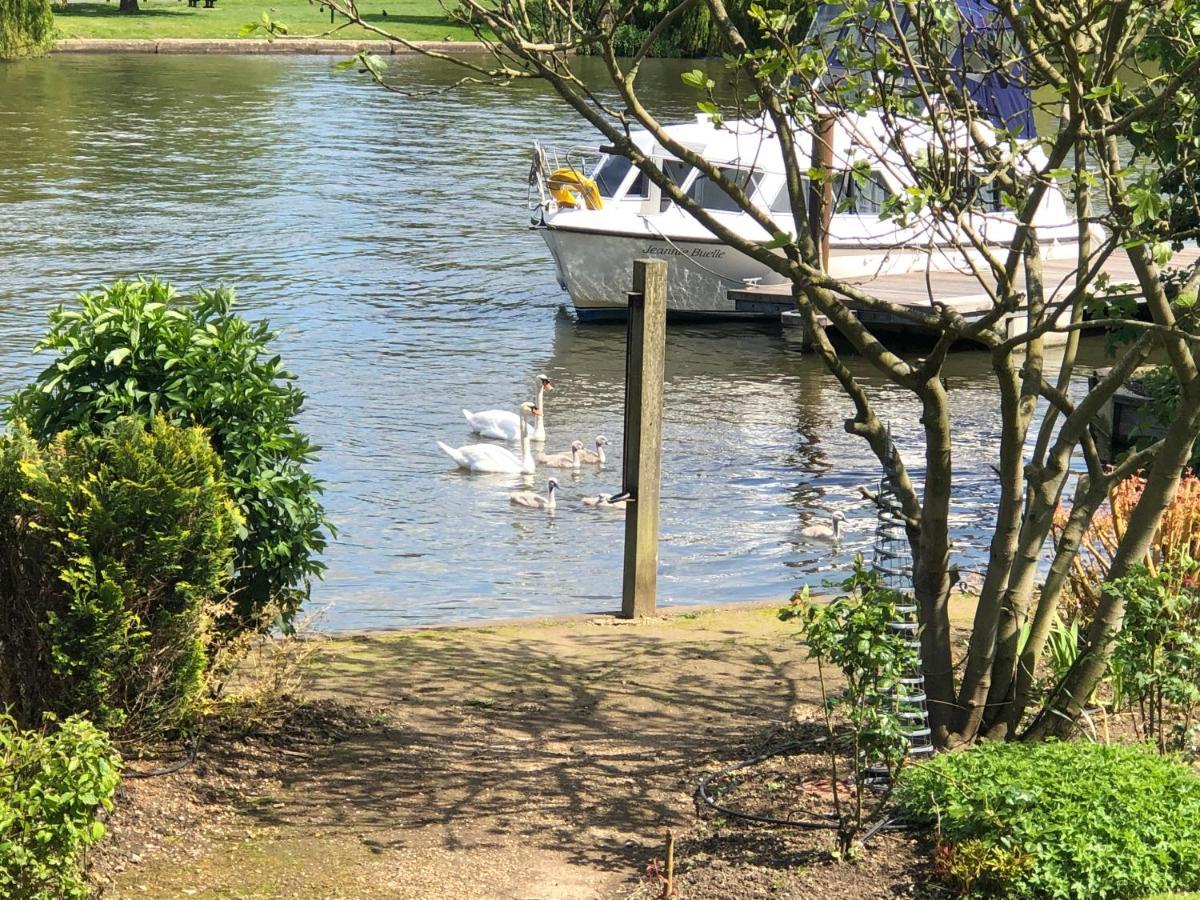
column 530, row 760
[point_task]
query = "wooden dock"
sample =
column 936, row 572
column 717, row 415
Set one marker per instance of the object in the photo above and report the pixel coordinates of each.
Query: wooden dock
column 959, row 291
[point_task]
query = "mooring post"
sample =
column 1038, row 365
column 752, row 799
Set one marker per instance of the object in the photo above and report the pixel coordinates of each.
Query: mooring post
column 645, row 349
column 820, row 195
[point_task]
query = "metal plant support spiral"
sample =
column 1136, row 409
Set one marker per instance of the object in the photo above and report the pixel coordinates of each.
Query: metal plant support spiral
column 893, row 562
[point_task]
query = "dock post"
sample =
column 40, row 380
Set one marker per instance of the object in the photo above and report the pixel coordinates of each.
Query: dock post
column 645, row 349
column 820, row 195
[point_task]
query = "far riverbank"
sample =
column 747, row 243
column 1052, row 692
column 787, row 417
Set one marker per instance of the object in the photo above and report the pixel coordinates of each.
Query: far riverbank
column 223, row 27
column 315, row 46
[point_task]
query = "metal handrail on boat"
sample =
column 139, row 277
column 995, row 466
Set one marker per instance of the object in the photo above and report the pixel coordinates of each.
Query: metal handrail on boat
column 546, row 160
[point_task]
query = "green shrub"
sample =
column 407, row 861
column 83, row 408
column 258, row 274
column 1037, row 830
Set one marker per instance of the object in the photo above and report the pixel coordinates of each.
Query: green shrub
column 115, row 555
column 853, row 632
column 52, row 785
column 26, row 28
column 1156, row 657
column 136, row 347
column 1065, row 820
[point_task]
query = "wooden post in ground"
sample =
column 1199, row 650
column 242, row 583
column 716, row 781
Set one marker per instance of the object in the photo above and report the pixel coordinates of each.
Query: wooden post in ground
column 645, row 349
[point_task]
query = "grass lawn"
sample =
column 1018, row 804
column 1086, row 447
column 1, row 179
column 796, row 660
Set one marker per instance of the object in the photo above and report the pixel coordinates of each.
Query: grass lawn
column 422, row 20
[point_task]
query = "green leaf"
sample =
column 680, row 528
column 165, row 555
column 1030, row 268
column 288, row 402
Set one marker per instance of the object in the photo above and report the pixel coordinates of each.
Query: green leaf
column 117, row 356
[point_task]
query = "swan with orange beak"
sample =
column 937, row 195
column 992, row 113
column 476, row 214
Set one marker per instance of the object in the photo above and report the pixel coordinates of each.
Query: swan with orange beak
column 506, row 426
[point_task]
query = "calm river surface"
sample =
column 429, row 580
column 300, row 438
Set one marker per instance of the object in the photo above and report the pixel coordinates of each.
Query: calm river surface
column 386, row 237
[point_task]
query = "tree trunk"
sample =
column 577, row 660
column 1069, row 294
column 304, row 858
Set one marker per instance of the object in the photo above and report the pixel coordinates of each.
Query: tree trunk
column 931, row 561
column 982, row 647
column 129, row 6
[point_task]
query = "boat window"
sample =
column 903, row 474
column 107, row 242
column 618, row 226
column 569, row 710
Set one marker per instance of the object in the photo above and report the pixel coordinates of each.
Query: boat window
column 861, row 198
column 849, row 197
column 610, row 174
column 782, row 204
column 678, row 172
column 640, row 187
column 974, row 193
column 991, row 197
column 709, row 194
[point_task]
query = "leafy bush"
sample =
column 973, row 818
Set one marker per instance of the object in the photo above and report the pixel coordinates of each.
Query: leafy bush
column 136, row 347
column 853, row 632
column 115, row 555
column 1061, row 820
column 26, row 27
column 1156, row 658
column 52, row 786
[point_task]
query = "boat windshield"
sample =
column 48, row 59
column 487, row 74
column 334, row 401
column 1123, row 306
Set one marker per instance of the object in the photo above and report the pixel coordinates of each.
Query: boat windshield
column 610, row 175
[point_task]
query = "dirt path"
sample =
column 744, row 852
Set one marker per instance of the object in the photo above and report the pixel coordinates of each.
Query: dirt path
column 537, row 760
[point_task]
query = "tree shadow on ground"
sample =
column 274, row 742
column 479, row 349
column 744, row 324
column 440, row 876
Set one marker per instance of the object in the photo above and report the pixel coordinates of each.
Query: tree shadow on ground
column 93, row 10
column 401, row 19
column 588, row 746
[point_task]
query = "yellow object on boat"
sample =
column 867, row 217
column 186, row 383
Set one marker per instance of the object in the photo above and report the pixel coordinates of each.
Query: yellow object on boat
column 567, row 186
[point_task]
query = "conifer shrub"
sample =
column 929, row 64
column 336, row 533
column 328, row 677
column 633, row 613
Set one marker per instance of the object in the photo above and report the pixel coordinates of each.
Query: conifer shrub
column 1077, row 821
column 53, row 783
column 139, row 348
column 116, row 552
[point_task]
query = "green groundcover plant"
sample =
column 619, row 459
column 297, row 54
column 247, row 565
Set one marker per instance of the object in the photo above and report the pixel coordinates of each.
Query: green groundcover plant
column 1060, row 820
column 138, row 348
column 115, row 556
column 52, row 785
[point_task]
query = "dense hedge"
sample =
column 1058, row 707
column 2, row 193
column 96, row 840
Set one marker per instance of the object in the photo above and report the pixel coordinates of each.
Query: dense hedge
column 1060, row 820
column 26, row 28
column 52, row 785
column 115, row 555
column 138, row 348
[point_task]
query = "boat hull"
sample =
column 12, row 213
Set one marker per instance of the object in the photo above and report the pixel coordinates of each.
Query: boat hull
column 596, row 269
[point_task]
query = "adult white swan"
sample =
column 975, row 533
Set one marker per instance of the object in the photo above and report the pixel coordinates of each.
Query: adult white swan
column 533, row 500
column 493, row 457
column 506, row 426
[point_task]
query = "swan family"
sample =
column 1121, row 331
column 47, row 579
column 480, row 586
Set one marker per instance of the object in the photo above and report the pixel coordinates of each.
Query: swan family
column 526, row 426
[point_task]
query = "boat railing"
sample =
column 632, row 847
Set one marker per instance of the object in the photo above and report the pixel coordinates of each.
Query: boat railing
column 550, row 163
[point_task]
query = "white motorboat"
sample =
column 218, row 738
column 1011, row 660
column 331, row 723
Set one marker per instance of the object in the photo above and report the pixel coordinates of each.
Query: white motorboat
column 598, row 213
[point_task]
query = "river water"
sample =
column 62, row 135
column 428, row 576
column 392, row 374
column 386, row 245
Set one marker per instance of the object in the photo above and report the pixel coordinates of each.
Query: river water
column 385, row 236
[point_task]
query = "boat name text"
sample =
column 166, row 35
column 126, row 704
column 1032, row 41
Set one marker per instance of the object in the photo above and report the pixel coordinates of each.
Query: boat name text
column 694, row 253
